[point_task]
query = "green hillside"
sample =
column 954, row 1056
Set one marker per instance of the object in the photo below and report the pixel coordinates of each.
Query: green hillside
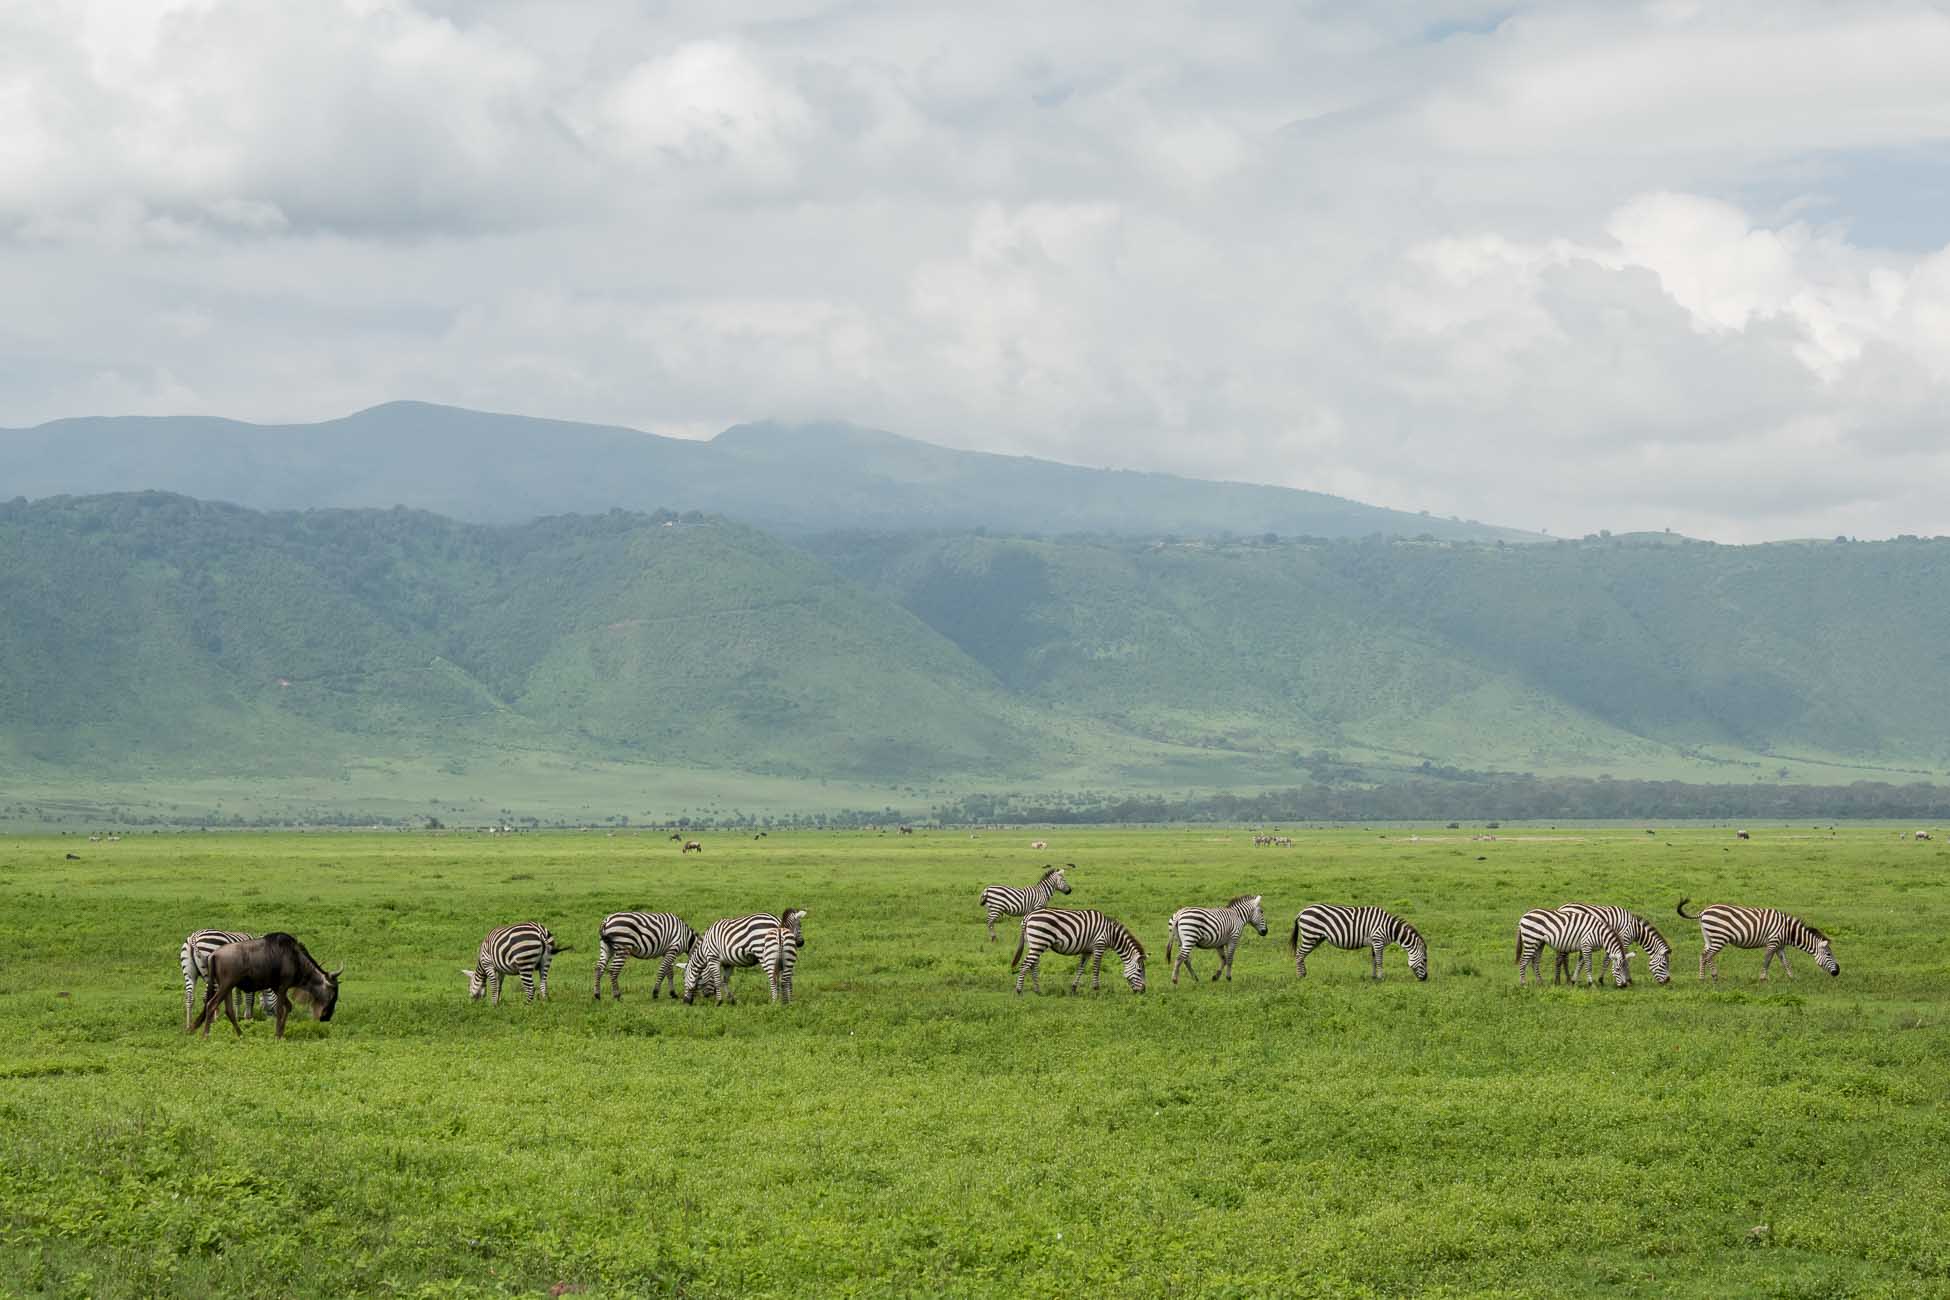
column 787, row 479
column 640, row 663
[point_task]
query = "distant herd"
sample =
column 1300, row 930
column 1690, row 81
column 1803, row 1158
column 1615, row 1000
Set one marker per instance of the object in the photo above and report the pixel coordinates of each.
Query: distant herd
column 269, row 969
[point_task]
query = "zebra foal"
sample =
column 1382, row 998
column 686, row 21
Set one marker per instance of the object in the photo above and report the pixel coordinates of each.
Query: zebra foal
column 641, row 934
column 1083, row 933
column 525, row 949
column 1353, row 928
column 1005, row 900
column 1774, row 931
column 1568, row 931
column 1632, row 928
column 1212, row 927
column 195, row 960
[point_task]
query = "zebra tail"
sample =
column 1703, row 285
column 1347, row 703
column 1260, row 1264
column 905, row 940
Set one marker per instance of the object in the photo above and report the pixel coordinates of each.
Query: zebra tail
column 1293, row 940
column 1682, row 909
column 1021, row 941
column 1172, row 937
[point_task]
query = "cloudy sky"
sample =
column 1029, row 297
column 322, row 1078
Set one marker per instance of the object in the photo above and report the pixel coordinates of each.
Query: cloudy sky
column 1557, row 266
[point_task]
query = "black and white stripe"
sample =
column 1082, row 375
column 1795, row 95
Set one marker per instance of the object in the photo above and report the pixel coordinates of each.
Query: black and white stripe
column 641, row 934
column 1632, row 928
column 525, row 949
column 1218, row 928
column 1006, row 900
column 763, row 940
column 1724, row 924
column 1568, row 931
column 1352, row 928
column 195, row 961
column 1083, row 933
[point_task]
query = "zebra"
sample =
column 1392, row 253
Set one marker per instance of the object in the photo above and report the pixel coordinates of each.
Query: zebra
column 762, row 939
column 525, row 949
column 1567, row 930
column 1003, row 900
column 1356, row 927
column 1083, row 933
column 1758, row 927
column 641, row 934
column 195, row 961
column 1212, row 927
column 1632, row 928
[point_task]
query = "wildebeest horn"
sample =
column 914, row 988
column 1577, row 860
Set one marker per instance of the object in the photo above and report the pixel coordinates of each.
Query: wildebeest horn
column 340, row 971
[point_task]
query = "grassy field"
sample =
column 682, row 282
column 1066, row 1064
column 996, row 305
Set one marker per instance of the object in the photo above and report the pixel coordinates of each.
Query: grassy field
column 908, row 1126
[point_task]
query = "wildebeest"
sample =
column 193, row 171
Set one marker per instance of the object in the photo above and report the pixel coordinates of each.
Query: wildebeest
column 1038, row 844
column 1741, row 835
column 691, row 846
column 276, row 963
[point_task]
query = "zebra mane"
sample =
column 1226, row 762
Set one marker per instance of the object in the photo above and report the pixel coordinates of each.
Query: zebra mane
column 1130, row 934
column 1049, row 872
column 1649, row 931
column 1243, row 898
column 1407, row 935
column 1812, row 932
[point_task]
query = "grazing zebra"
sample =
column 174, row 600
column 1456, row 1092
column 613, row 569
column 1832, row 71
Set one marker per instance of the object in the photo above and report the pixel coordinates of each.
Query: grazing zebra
column 769, row 942
column 195, row 960
column 1212, row 927
column 1632, row 928
column 641, row 934
column 1003, row 900
column 1569, row 931
column 525, row 949
column 1758, row 927
column 1352, row 928
column 1083, row 933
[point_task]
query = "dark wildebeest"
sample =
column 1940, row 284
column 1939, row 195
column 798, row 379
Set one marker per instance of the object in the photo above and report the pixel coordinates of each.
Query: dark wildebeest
column 276, row 963
column 691, row 846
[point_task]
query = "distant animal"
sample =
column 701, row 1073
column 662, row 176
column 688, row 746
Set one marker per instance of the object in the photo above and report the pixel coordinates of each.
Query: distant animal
column 691, row 846
column 1922, row 835
column 1004, row 900
column 1579, row 932
column 676, row 839
column 907, row 830
column 1082, row 933
column 1741, row 835
column 641, row 934
column 1632, row 928
column 276, row 963
column 1353, row 928
column 760, row 940
column 74, row 857
column 1218, row 928
column 194, row 958
column 523, row 949
column 1038, row 844
column 1723, row 924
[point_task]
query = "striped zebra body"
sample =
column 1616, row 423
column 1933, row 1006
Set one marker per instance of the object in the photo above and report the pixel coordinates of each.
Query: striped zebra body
column 1083, row 933
column 194, row 958
column 1004, row 900
column 1723, row 924
column 761, row 939
column 641, row 934
column 1632, row 928
column 1355, row 928
column 1218, row 928
column 525, row 949
column 1569, row 931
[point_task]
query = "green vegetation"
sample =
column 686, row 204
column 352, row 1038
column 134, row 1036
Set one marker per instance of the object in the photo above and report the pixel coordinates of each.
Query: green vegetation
column 331, row 665
column 909, row 1126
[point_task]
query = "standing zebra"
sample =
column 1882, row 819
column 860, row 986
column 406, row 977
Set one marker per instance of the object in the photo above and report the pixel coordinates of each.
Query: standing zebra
column 1566, row 930
column 1632, row 928
column 1083, row 933
column 525, row 949
column 641, row 934
column 195, row 960
column 1005, row 900
column 1352, row 928
column 1212, row 927
column 763, row 940
column 1758, row 927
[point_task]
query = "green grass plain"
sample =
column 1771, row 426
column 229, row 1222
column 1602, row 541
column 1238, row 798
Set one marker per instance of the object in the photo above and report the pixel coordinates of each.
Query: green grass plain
column 909, row 1126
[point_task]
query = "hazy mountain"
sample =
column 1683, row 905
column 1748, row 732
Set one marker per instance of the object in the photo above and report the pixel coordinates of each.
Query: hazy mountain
column 791, row 479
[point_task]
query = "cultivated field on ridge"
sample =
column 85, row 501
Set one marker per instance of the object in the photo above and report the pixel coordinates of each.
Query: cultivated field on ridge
column 910, row 1126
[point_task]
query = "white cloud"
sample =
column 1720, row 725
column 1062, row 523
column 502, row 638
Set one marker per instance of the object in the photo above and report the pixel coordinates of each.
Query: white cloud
column 1498, row 265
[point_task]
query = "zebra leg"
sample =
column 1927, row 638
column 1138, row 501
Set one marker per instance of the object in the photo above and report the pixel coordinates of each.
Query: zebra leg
column 1300, row 956
column 1785, row 968
column 602, row 960
column 667, row 967
column 1082, row 962
column 1561, row 969
column 1378, row 948
column 497, row 989
column 528, row 986
column 1097, row 971
column 725, row 995
column 992, row 916
column 1225, row 965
